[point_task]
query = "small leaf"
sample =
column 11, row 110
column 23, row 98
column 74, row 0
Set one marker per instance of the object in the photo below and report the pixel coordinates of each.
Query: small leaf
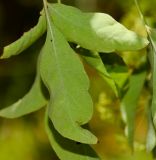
column 26, row 40
column 129, row 103
column 67, row 149
column 95, row 61
column 32, row 101
column 151, row 135
column 94, row 31
column 64, row 75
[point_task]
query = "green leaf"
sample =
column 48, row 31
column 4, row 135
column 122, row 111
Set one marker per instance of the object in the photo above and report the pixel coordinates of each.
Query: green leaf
column 119, row 74
column 152, row 57
column 95, row 61
column 151, row 135
column 64, row 75
column 151, row 32
column 26, row 40
column 67, row 149
column 32, row 101
column 94, row 31
column 130, row 101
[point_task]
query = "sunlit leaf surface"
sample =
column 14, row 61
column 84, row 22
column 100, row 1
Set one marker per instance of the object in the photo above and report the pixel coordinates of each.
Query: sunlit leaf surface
column 94, row 31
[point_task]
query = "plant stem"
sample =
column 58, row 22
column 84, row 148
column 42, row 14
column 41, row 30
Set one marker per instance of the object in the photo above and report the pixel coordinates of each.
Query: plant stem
column 143, row 19
column 46, row 11
column 45, row 3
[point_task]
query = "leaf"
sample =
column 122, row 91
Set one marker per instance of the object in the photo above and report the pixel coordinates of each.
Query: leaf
column 31, row 102
column 119, row 74
column 63, row 74
column 151, row 32
column 94, row 31
column 129, row 103
column 152, row 57
column 95, row 61
column 67, row 149
column 26, row 40
column 151, row 135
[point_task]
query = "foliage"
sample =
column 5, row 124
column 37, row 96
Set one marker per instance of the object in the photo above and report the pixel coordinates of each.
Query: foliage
column 69, row 106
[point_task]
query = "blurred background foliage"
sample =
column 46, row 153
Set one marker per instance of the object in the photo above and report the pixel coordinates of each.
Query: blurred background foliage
column 24, row 138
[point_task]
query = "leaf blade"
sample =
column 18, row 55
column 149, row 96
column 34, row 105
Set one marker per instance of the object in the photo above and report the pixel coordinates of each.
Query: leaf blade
column 151, row 135
column 152, row 58
column 94, row 31
column 129, row 103
column 64, row 75
column 95, row 61
column 31, row 102
column 67, row 149
column 26, row 40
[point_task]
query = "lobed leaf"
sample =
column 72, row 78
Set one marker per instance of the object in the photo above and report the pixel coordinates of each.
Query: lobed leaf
column 32, row 101
column 94, row 31
column 63, row 74
column 129, row 103
column 67, row 149
column 26, row 40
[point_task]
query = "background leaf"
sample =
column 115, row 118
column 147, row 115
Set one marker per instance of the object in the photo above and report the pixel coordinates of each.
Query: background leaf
column 64, row 75
column 151, row 135
column 26, row 40
column 95, row 61
column 151, row 32
column 151, row 140
column 152, row 57
column 94, row 31
column 130, row 101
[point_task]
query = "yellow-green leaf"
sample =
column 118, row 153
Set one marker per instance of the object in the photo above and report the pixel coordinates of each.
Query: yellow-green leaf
column 151, row 135
column 129, row 103
column 152, row 57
